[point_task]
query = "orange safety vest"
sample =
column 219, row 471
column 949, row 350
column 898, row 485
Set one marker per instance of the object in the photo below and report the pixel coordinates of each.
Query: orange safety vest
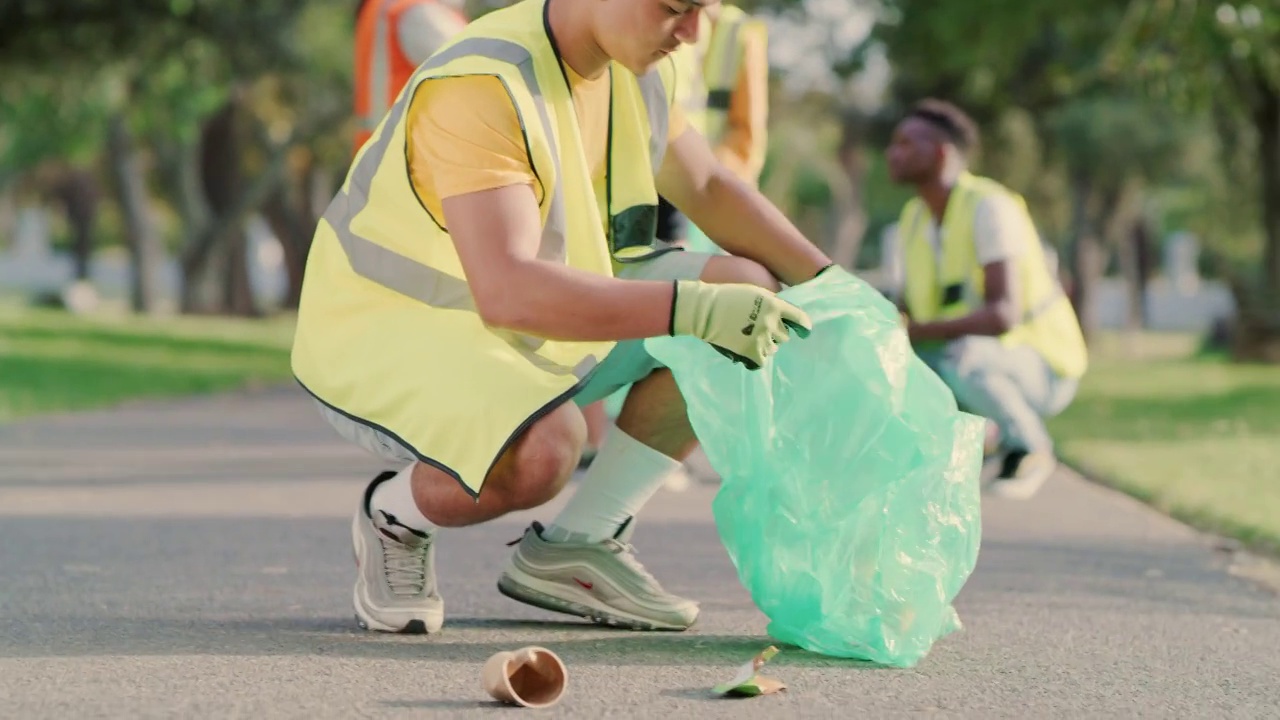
column 382, row 69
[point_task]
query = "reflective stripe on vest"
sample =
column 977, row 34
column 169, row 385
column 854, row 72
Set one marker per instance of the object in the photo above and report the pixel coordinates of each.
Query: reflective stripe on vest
column 404, row 275
column 428, row 285
column 408, row 277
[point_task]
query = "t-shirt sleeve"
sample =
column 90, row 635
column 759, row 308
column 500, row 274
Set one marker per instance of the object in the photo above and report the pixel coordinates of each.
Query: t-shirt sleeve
column 1000, row 229
column 465, row 137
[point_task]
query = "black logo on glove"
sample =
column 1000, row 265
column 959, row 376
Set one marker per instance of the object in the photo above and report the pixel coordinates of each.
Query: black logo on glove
column 755, row 313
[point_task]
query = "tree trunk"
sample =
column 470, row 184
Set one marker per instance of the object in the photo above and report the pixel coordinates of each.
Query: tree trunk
column 851, row 223
column 1142, row 260
column 1267, row 120
column 293, row 211
column 145, row 249
column 237, row 289
column 221, row 150
column 232, row 199
column 220, row 158
column 1086, row 258
column 180, row 170
column 78, row 191
column 1124, row 232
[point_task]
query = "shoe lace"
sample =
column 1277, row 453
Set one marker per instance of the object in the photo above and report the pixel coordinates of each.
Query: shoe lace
column 625, row 552
column 406, row 568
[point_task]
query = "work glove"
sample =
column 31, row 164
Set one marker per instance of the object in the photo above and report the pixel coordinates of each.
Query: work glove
column 745, row 323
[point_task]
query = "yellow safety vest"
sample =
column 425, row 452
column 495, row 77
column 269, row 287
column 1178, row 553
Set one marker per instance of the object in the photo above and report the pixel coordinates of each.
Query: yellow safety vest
column 707, row 72
column 950, row 286
column 388, row 333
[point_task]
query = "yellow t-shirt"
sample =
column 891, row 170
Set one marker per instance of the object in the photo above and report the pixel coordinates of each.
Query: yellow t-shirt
column 465, row 136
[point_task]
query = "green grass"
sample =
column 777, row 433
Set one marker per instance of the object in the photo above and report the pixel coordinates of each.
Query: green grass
column 1195, row 436
column 51, row 361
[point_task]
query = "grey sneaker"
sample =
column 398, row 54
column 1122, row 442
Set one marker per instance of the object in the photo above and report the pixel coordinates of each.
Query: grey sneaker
column 600, row 581
column 1022, row 474
column 395, row 572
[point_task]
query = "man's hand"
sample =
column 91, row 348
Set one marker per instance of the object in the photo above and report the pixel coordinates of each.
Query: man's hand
column 745, row 323
column 997, row 316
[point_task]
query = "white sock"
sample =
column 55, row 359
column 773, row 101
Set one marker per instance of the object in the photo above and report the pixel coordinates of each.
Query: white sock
column 395, row 497
column 622, row 478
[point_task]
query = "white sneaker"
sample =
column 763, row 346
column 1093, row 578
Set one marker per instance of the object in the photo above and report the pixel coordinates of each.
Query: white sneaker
column 1022, row 474
column 395, row 572
column 601, row 581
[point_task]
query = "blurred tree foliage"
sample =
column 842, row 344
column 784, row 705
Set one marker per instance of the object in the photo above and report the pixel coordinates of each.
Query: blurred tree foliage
column 1120, row 120
column 221, row 108
column 1224, row 59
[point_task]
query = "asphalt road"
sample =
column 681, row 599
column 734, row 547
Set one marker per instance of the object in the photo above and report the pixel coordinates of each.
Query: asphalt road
column 192, row 559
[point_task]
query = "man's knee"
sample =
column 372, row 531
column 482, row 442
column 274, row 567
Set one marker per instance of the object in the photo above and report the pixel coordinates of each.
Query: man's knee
column 535, row 469
column 732, row 269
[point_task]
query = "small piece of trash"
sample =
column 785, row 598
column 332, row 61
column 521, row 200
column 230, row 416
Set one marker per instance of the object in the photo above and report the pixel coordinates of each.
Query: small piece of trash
column 747, row 683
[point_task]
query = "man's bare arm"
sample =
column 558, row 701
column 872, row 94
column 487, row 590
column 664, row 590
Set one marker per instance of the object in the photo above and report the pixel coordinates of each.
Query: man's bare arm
column 733, row 214
column 998, row 314
column 497, row 233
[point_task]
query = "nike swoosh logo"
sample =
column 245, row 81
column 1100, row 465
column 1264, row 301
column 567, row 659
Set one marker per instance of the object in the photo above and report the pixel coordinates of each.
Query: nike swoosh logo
column 586, row 585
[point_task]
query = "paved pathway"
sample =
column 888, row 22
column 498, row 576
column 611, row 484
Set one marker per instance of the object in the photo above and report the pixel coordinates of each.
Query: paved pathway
column 191, row 559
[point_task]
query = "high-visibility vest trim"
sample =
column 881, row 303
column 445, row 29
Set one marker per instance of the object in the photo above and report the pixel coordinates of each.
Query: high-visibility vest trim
column 582, row 375
column 423, row 283
column 399, row 273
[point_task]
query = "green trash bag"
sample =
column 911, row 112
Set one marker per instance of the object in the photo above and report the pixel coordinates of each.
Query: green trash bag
column 849, row 501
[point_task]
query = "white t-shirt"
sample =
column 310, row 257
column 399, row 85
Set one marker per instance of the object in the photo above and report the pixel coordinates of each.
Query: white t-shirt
column 1000, row 229
column 424, row 28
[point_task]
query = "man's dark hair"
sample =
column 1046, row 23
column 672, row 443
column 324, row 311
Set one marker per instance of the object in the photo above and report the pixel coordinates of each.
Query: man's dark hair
column 959, row 128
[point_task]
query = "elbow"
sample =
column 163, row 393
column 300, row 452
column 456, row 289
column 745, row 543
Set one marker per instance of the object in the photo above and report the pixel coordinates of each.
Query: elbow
column 499, row 308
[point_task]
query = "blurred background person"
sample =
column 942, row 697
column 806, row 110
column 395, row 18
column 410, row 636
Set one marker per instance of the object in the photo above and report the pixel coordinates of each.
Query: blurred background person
column 982, row 308
column 725, row 91
column 394, row 37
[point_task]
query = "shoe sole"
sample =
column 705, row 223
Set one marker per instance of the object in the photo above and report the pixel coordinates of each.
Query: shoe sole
column 422, row 622
column 532, row 591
